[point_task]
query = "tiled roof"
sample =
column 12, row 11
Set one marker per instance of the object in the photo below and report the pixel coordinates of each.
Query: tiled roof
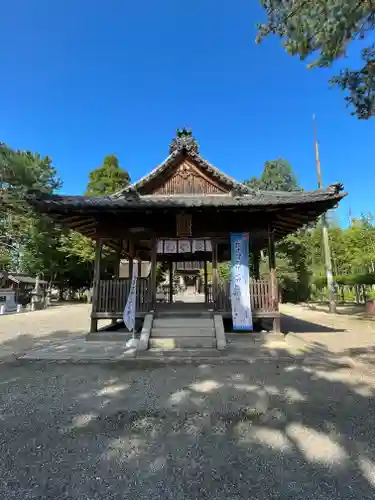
column 195, row 157
column 131, row 200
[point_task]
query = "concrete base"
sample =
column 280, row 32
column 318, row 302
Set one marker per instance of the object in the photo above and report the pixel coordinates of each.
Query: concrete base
column 183, row 353
column 182, row 342
column 132, row 343
column 109, row 336
column 146, row 332
column 221, row 341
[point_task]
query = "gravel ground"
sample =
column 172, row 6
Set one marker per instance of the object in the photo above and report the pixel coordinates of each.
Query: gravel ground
column 19, row 333
column 339, row 334
column 237, row 431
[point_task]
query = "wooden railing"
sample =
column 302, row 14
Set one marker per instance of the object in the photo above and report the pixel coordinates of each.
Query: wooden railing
column 110, row 296
column 262, row 298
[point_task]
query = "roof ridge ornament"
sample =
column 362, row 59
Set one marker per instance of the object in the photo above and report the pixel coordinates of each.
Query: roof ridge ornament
column 184, row 140
column 337, row 187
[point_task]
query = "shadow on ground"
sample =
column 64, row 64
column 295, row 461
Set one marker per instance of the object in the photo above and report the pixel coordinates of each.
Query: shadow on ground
column 356, row 311
column 23, row 343
column 292, row 324
column 364, row 354
column 269, row 428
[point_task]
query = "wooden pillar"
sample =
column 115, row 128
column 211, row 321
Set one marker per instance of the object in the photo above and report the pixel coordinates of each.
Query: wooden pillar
column 95, row 287
column 131, row 258
column 273, row 279
column 205, row 284
column 139, row 268
column 117, row 264
column 214, row 273
column 131, row 265
column 153, row 272
column 256, row 262
column 171, row 282
column 117, row 273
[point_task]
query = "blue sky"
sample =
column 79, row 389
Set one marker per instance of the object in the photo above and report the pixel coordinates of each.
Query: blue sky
column 85, row 78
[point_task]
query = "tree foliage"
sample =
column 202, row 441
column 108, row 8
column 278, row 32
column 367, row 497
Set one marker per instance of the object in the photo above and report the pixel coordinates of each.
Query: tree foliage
column 300, row 258
column 28, row 241
column 291, row 257
column 108, row 178
column 33, row 244
column 277, row 175
column 325, row 28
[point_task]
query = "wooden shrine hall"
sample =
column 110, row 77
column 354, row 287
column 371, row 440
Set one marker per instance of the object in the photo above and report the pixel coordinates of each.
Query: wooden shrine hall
column 185, row 210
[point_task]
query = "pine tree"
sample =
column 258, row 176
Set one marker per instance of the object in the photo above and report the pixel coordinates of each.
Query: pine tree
column 277, row 175
column 108, row 178
column 325, row 29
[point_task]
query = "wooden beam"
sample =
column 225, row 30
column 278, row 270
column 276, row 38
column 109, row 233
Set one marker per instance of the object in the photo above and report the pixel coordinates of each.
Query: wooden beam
column 214, row 273
column 82, row 228
column 153, row 272
column 131, row 266
column 72, row 219
column 82, row 223
column 131, row 247
column 95, row 288
column 170, row 282
column 296, row 217
column 288, row 225
column 274, row 288
column 117, row 262
column 256, row 262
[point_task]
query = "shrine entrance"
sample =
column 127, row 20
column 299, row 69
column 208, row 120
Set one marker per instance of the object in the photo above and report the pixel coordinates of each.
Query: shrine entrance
column 184, row 282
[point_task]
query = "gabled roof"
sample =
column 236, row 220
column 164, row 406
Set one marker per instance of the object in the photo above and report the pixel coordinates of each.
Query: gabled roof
column 20, row 278
column 177, row 155
column 155, row 195
column 256, row 198
column 289, row 210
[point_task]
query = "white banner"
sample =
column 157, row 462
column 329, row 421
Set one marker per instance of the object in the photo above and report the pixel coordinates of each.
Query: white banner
column 129, row 311
column 240, row 290
column 198, row 246
column 170, row 246
column 184, row 246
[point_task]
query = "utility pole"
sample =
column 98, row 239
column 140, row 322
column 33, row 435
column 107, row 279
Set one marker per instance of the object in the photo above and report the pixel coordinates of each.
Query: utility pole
column 326, row 249
column 350, row 217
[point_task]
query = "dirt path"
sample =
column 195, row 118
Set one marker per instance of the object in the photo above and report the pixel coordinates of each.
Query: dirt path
column 21, row 332
column 336, row 333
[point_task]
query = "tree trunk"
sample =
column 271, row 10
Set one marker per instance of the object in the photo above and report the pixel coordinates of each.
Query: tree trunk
column 357, row 298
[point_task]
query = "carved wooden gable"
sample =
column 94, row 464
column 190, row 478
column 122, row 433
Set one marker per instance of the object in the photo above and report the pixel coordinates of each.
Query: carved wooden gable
column 188, row 178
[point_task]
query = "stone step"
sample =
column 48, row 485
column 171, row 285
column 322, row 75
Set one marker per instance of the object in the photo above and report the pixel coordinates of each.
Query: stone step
column 183, row 322
column 168, row 343
column 185, row 353
column 193, row 313
column 182, row 332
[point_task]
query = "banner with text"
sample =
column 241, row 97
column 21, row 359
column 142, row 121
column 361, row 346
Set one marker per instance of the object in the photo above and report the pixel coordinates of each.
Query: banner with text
column 129, row 311
column 239, row 283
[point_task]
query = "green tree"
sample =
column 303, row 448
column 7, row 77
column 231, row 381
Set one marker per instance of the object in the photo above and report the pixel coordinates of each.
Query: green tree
column 105, row 180
column 32, row 237
column 325, row 29
column 108, row 178
column 73, row 244
column 291, row 253
column 277, row 175
column 32, row 243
